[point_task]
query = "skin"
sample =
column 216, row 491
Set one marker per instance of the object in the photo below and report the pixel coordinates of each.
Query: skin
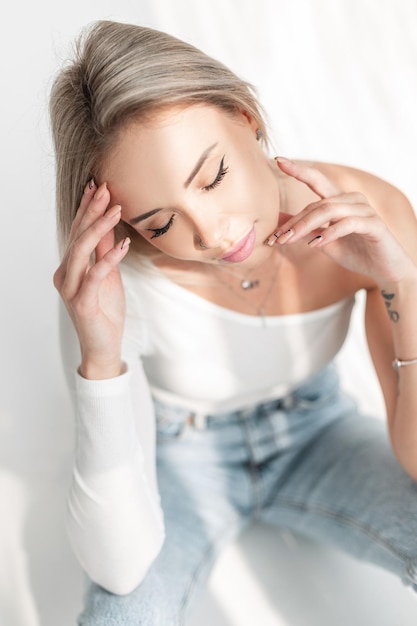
column 367, row 240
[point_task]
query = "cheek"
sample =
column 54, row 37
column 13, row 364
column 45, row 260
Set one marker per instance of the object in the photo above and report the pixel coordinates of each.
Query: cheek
column 252, row 193
column 177, row 242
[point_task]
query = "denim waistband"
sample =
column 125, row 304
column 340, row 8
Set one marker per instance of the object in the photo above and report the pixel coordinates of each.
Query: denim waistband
column 201, row 421
column 312, row 393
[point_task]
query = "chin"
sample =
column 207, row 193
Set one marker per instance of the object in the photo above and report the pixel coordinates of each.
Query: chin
column 260, row 255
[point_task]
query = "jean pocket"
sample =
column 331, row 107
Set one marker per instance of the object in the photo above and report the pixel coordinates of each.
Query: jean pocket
column 314, row 401
column 321, row 390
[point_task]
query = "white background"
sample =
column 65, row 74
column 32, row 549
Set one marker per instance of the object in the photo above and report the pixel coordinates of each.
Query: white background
column 338, row 79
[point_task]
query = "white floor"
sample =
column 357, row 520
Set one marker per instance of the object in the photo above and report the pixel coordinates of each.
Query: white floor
column 273, row 579
column 267, row 578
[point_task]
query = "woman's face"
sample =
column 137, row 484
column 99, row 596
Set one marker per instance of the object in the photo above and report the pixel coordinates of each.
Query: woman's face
column 196, row 183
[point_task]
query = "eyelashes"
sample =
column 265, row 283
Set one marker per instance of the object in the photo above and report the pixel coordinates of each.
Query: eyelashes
column 220, row 175
column 158, row 232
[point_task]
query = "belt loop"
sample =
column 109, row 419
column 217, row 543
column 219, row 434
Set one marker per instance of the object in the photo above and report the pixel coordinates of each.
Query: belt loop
column 288, row 402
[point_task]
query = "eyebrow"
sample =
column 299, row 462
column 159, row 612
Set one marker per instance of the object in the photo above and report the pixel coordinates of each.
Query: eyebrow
column 144, row 216
column 203, row 158
column 199, row 164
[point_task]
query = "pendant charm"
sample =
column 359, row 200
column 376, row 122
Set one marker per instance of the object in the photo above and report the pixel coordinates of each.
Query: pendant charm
column 249, row 284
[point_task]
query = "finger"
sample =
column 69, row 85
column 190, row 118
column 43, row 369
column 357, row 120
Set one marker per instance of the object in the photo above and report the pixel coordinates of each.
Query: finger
column 89, row 291
column 323, row 213
column 105, row 244
column 97, row 205
column 319, row 215
column 79, row 254
column 312, row 177
column 91, row 193
column 353, row 224
column 89, row 190
column 283, row 218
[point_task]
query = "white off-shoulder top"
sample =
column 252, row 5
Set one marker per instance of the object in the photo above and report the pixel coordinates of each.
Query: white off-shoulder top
column 201, row 356
column 184, row 350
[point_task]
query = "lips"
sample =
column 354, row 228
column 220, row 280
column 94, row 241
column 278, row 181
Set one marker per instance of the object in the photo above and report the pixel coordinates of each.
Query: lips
column 242, row 250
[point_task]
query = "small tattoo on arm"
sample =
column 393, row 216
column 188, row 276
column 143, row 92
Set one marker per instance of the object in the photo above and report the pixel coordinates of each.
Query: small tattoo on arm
column 388, row 297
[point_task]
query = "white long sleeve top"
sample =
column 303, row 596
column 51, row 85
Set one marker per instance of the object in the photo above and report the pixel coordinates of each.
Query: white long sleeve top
column 189, row 352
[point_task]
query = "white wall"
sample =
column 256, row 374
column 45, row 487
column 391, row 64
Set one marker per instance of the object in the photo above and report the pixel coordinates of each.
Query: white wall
column 339, row 82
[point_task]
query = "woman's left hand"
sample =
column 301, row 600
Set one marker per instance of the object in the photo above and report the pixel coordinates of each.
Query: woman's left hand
column 344, row 226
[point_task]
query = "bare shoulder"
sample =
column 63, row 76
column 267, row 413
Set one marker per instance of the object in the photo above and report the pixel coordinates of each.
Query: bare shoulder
column 381, row 194
column 388, row 201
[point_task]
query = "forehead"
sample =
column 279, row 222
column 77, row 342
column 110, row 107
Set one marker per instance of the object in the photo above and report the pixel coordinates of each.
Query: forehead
column 168, row 133
column 185, row 119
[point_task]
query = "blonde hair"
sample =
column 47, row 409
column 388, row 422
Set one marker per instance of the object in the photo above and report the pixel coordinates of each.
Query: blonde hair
column 120, row 73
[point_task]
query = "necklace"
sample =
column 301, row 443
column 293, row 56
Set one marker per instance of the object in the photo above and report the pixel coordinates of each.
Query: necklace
column 245, row 281
column 260, row 307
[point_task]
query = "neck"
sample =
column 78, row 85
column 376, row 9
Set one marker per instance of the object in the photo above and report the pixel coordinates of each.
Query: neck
column 254, row 278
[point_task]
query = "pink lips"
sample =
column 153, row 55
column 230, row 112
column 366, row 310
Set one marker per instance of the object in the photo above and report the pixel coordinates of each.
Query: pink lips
column 243, row 248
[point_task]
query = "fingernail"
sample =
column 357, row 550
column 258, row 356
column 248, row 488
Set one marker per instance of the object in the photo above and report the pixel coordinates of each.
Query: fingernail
column 100, row 191
column 125, row 242
column 115, row 210
column 281, row 159
column 285, row 236
column 271, row 240
column 315, row 241
column 89, row 186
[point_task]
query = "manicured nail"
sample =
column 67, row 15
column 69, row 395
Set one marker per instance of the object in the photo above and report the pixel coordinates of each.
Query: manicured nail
column 285, row 236
column 271, row 240
column 89, row 186
column 281, row 159
column 315, row 241
column 100, row 191
column 125, row 242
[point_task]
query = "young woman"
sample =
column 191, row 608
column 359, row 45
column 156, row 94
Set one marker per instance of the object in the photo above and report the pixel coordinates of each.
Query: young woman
column 210, row 287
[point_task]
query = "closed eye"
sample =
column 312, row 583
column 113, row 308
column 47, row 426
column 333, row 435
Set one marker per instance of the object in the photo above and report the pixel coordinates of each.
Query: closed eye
column 219, row 177
column 157, row 232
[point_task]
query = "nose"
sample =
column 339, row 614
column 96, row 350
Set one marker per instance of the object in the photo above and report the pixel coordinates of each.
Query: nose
column 201, row 244
column 211, row 232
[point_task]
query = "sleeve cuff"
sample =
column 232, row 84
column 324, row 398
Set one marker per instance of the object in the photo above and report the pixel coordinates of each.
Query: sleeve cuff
column 104, row 388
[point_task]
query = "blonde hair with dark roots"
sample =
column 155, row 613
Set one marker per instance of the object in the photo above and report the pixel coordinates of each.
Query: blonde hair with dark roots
column 120, row 73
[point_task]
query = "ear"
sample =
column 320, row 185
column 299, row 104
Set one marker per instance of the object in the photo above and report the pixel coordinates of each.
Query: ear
column 249, row 119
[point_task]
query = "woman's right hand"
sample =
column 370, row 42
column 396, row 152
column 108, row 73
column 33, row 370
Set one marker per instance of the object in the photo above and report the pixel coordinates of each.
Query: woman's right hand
column 93, row 292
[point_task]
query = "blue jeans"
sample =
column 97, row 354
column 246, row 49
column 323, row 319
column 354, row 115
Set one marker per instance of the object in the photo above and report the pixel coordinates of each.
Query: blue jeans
column 307, row 462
